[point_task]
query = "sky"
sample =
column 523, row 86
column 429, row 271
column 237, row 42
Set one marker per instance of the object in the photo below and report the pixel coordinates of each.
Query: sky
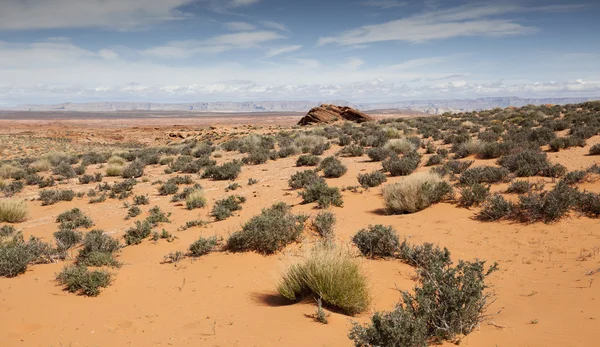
column 54, row 51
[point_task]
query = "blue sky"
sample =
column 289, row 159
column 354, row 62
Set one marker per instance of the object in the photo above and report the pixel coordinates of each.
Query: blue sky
column 54, row 51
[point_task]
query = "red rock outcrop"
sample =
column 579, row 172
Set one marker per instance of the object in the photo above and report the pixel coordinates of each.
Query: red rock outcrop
column 332, row 113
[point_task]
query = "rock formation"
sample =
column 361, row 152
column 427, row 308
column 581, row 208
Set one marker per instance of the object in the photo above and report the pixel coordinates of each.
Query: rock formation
column 331, row 113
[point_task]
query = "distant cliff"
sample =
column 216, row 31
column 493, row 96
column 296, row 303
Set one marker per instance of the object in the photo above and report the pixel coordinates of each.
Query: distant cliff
column 428, row 106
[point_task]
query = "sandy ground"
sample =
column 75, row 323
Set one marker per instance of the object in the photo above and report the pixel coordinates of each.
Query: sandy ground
column 547, row 289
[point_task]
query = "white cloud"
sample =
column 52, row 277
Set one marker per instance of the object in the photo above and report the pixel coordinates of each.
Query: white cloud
column 239, row 26
column 281, row 50
column 119, row 14
column 384, row 4
column 239, row 3
column 415, row 63
column 274, row 25
column 217, row 44
column 469, row 20
column 353, row 63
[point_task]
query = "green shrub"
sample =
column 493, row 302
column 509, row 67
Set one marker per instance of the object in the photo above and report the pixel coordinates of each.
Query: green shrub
column 574, row 177
column 323, row 194
column 547, row 206
column 588, row 204
column 52, row 196
column 73, row 219
column 377, row 241
column 402, row 166
column 434, row 160
column 65, row 170
column 415, row 193
column 424, row 256
column 525, row 163
column 14, row 257
column 77, row 278
column 331, row 275
column 224, row 208
column 12, row 188
column 473, row 195
column 379, row 153
column 324, row 224
column 48, row 182
column 332, row 167
column 133, row 211
column 373, row 179
column 519, row 187
column 399, row 328
column 227, row 171
column 13, row 211
column 135, row 169
column 195, row 199
column 157, row 216
column 203, row 246
column 168, row 188
column 454, row 167
column 141, row 200
column 233, row 186
column 308, row 160
column 252, row 181
column 136, row 234
column 352, row 150
column 303, row 179
column 484, row 174
column 496, row 208
column 7, row 230
column 67, row 238
column 257, row 156
column 96, row 241
column 268, row 232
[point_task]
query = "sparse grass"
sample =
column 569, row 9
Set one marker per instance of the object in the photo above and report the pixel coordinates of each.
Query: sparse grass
column 415, row 192
column 268, row 232
column 329, row 274
column 13, row 211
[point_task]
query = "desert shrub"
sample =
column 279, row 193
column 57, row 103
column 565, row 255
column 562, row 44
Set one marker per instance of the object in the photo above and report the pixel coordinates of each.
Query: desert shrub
column 496, row 208
column 434, row 160
column 96, row 241
column 588, row 204
column 136, row 234
column 252, row 181
column 323, row 194
column 400, row 146
column 442, row 152
column 402, row 166
column 519, row 187
column 14, row 257
column 224, row 208
column 86, row 179
column 92, row 157
column 117, row 161
column 595, row 150
column 10, row 171
column 12, row 188
column 312, row 144
column 73, row 219
column 525, row 163
column 473, row 195
column 168, row 188
column 7, row 230
column 203, row 149
column 178, row 180
column 48, row 182
column 135, row 169
column 65, row 170
column 324, row 224
column 49, row 196
column 268, row 232
column 195, row 199
column 77, row 278
column 547, row 206
column 415, row 193
column 133, row 211
column 492, row 150
column 453, row 167
column 373, row 179
column 67, row 238
column 424, row 256
column 377, row 241
column 352, row 150
column 308, row 160
column 484, row 174
column 554, row 171
column 32, row 179
column 332, row 167
column 123, row 189
column 287, row 151
column 331, row 275
column 227, row 171
column 399, row 328
column 166, row 159
column 203, row 246
column 467, row 148
column 98, row 199
column 257, row 156
column 233, row 186
column 379, row 153
column 114, row 171
column 56, row 158
column 574, row 177
column 157, row 216
column 303, row 179
column 80, row 170
column 141, row 200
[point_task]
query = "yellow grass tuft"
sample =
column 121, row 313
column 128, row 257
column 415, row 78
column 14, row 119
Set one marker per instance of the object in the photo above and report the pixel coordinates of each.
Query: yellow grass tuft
column 12, row 211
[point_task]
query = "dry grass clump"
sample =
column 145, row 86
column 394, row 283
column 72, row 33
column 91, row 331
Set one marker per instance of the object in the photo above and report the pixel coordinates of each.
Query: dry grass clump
column 330, row 274
column 8, row 171
column 12, row 211
column 115, row 160
column 415, row 192
column 195, row 199
column 400, row 146
column 114, row 171
column 41, row 165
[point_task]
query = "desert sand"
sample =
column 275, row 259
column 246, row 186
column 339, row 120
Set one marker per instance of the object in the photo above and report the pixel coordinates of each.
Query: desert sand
column 547, row 292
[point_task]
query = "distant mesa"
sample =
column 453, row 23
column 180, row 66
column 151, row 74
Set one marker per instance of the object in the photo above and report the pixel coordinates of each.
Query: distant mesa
column 328, row 113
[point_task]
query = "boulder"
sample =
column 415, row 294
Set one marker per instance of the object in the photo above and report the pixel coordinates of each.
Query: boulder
column 332, row 113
